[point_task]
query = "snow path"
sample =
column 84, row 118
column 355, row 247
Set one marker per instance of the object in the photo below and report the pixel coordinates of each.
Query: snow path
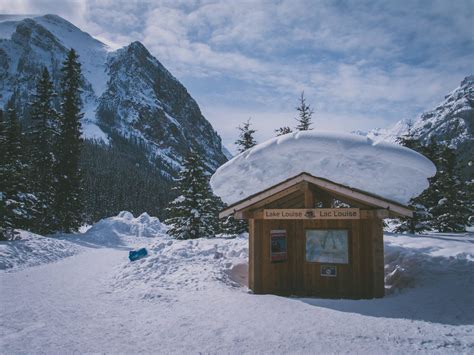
column 73, row 306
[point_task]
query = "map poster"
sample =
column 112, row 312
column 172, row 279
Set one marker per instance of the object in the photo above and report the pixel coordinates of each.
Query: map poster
column 327, row 246
column 278, row 250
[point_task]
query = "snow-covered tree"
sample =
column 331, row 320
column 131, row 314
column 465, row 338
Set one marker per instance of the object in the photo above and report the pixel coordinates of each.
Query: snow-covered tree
column 305, row 115
column 246, row 139
column 283, row 130
column 446, row 204
column 451, row 204
column 42, row 144
column 193, row 214
column 16, row 204
column 232, row 226
column 69, row 188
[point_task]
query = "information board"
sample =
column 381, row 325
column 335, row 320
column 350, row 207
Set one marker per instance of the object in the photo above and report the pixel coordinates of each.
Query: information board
column 327, row 246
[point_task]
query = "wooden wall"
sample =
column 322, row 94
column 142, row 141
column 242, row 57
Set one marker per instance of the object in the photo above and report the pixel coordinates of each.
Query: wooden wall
column 362, row 277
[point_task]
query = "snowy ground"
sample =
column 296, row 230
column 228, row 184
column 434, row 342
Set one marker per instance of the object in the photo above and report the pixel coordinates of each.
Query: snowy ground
column 79, row 293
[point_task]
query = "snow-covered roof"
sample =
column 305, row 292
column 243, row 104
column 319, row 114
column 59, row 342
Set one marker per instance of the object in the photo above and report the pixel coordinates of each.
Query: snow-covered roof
column 385, row 169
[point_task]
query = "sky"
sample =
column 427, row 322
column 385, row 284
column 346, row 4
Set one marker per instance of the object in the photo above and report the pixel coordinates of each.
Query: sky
column 361, row 64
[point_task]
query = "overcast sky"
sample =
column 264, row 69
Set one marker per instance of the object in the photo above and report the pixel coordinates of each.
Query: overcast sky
column 362, row 64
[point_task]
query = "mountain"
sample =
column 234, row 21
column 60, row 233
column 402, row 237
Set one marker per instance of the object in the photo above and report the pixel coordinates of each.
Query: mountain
column 136, row 113
column 451, row 122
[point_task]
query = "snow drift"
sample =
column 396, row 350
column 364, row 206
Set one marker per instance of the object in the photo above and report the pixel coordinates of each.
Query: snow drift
column 385, row 169
column 111, row 230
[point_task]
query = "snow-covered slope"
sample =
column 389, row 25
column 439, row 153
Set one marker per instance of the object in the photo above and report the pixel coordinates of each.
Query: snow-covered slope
column 384, row 169
column 127, row 91
column 451, row 122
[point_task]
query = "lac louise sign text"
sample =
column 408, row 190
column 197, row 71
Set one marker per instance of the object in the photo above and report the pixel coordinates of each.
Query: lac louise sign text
column 312, row 213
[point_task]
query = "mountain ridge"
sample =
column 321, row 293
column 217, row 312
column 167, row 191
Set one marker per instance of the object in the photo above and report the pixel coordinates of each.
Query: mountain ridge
column 451, row 122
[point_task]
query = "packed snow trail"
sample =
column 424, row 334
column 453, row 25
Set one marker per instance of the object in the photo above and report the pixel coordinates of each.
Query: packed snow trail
column 179, row 300
column 69, row 306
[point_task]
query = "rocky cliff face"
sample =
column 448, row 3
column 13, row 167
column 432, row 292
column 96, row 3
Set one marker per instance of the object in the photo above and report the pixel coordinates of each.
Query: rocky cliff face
column 127, row 92
column 144, row 100
column 451, row 122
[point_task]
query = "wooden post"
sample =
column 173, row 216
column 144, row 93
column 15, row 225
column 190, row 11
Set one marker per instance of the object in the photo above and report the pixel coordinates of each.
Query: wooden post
column 378, row 258
column 252, row 254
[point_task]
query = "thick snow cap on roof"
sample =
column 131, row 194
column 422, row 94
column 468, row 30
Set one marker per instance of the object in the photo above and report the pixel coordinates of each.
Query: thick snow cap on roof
column 385, row 169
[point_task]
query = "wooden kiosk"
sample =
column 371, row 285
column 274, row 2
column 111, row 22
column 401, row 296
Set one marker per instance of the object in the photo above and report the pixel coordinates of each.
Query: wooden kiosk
column 309, row 236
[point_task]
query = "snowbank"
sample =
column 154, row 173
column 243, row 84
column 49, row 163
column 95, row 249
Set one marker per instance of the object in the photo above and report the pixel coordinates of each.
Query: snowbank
column 385, row 169
column 412, row 261
column 112, row 230
column 31, row 249
column 123, row 230
column 174, row 265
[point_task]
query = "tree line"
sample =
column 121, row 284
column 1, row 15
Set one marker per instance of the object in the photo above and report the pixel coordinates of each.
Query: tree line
column 447, row 205
column 40, row 179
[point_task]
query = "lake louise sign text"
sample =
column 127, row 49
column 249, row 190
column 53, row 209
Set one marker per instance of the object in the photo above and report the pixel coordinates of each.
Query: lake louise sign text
column 312, row 213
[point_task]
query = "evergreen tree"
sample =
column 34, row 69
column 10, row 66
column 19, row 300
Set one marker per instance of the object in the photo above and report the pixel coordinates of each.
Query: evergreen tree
column 470, row 202
column 233, row 226
column 447, row 203
column 194, row 212
column 283, row 130
column 451, row 205
column 305, row 115
column 246, row 139
column 69, row 188
column 42, row 143
column 16, row 204
column 5, row 223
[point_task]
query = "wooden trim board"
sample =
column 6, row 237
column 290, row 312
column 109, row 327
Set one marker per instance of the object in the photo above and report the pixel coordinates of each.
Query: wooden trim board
column 293, row 184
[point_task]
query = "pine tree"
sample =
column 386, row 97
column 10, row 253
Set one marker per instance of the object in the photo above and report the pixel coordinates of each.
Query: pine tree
column 194, row 212
column 5, row 223
column 16, row 204
column 470, row 202
column 283, row 130
column 246, row 139
column 42, row 143
column 305, row 115
column 69, row 188
column 233, row 226
column 451, row 207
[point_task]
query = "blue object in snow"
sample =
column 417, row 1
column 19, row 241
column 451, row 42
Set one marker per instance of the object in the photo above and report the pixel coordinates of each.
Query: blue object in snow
column 137, row 254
